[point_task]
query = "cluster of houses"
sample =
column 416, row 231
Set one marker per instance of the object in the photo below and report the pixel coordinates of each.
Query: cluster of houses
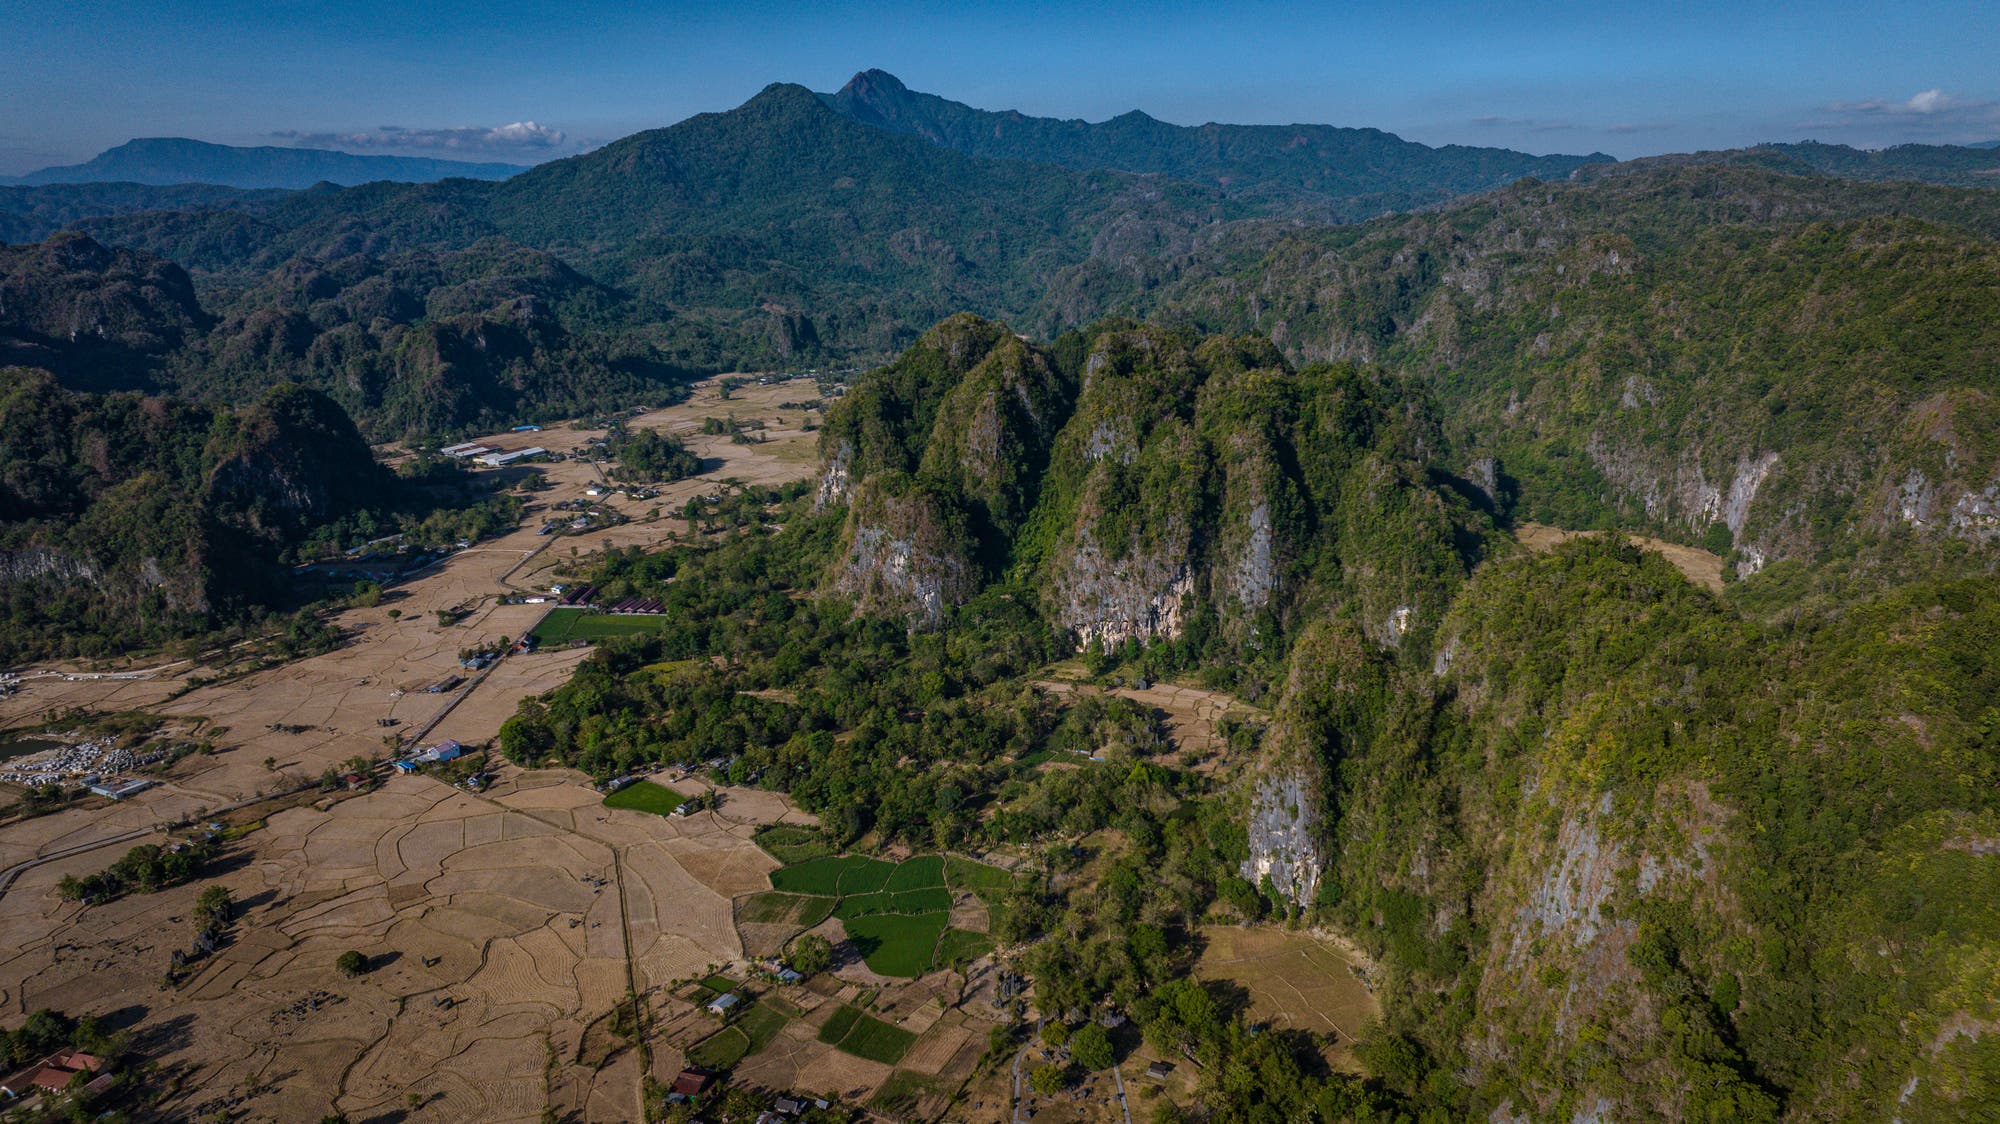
column 777, row 970
column 56, row 1073
column 86, row 761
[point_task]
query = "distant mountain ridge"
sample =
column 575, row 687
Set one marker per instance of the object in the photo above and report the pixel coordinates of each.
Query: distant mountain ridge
column 1357, row 173
column 177, row 160
column 1950, row 165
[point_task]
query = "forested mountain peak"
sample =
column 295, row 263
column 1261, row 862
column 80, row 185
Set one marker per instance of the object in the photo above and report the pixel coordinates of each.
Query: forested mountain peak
column 1325, row 170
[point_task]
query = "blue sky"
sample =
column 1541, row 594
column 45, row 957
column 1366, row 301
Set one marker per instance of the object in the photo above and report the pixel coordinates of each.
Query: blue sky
column 525, row 82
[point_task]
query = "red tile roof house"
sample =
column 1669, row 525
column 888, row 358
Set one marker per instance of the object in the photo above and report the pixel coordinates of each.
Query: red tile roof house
column 52, row 1074
column 692, row 1082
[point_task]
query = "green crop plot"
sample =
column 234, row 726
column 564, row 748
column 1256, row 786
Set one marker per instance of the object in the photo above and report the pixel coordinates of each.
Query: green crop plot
column 919, row 873
column 815, row 876
column 561, row 626
column 896, row 915
column 864, row 905
column 761, row 1023
column 836, row 1027
column 935, row 899
column 865, row 876
column 897, row 944
column 958, row 944
column 866, row 1037
column 876, row 1040
column 964, row 874
column 803, row 910
column 645, row 796
column 721, row 1050
column 789, row 843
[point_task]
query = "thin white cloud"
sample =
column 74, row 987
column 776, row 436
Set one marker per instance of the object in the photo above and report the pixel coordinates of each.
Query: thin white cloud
column 1531, row 124
column 515, row 141
column 1933, row 115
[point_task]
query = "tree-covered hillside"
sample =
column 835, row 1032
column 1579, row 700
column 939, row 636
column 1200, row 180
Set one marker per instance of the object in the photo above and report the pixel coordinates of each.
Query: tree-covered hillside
column 1148, row 482
column 419, row 342
column 128, row 520
column 1787, row 368
column 99, row 317
column 1618, row 847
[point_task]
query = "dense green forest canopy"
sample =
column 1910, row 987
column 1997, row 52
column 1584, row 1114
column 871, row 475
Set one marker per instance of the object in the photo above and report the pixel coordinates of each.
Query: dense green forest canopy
column 1598, row 868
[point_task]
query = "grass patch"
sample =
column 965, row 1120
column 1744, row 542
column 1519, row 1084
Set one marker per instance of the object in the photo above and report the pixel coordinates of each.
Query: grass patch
column 721, row 1050
column 919, row 873
column 804, row 910
column 561, row 626
column 790, row 843
column 964, row 874
column 719, row 983
column 645, row 796
column 897, row 944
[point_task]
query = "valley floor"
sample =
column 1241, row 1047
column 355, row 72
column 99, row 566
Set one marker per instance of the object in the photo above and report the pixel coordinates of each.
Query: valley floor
column 500, row 927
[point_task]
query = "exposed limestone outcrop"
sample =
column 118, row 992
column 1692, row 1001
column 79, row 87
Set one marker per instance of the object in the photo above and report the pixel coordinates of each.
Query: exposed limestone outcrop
column 906, row 552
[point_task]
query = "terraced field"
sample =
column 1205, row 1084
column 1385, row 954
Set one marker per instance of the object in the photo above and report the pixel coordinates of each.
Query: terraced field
column 897, row 916
column 864, row 1036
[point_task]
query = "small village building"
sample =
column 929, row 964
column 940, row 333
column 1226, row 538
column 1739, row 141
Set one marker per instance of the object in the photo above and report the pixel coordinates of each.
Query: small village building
column 499, row 459
column 119, row 790
column 52, row 1074
column 1159, row 1070
column 724, row 1003
column 692, row 1081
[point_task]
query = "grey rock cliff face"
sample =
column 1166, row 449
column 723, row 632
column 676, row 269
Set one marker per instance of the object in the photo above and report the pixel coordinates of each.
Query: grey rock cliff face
column 1140, row 597
column 1284, row 833
column 905, row 553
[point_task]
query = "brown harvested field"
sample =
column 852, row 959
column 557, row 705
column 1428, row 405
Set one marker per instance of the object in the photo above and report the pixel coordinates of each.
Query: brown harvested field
column 1295, row 979
column 1700, row 567
column 493, row 924
column 1189, row 712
